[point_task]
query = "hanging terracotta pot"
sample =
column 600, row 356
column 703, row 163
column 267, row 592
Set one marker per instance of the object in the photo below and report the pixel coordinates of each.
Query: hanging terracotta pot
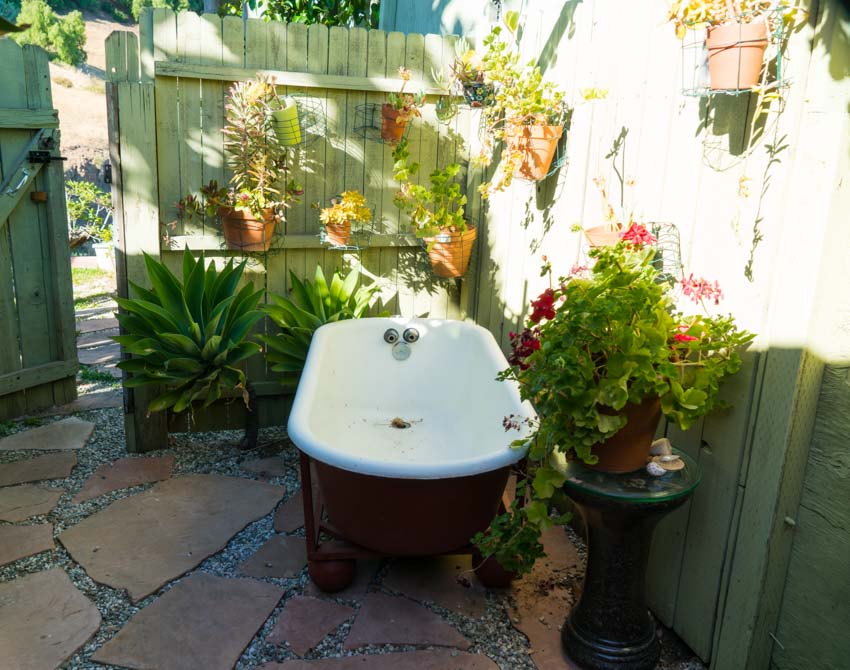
column 736, row 54
column 628, row 450
column 450, row 252
column 244, row 232
column 391, row 129
column 537, row 144
column 338, row 234
column 602, row 236
column 285, row 122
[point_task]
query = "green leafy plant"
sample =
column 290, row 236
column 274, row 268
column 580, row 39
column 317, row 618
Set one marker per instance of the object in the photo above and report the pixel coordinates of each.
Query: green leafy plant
column 596, row 340
column 431, row 210
column 349, row 207
column 189, row 334
column 696, row 14
column 63, row 36
column 329, row 12
column 311, row 306
column 89, row 212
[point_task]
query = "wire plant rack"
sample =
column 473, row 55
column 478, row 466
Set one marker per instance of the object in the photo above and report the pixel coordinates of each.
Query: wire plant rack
column 695, row 72
column 668, row 250
column 312, row 119
column 367, row 123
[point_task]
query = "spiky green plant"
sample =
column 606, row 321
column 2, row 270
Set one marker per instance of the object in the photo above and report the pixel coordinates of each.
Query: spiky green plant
column 311, row 306
column 188, row 336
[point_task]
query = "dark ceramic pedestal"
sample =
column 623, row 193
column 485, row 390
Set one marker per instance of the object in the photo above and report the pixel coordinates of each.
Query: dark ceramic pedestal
column 611, row 628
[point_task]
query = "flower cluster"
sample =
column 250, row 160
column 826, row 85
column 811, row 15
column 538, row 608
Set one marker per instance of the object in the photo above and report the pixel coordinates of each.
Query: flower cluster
column 700, row 290
column 407, row 104
column 543, row 307
column 522, row 346
column 637, row 236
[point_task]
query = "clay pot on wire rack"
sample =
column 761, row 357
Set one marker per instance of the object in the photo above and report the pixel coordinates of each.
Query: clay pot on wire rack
column 338, row 234
column 628, row 449
column 244, row 232
column 537, row 144
column 736, row 54
column 391, row 129
column 450, row 252
column 602, row 236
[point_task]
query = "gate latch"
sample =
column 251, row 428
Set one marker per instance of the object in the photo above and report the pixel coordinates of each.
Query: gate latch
column 43, row 157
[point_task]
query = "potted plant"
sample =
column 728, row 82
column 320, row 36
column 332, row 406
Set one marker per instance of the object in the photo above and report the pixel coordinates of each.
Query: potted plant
column 90, row 218
column 468, row 72
column 609, row 232
column 604, row 353
column 437, row 213
column 345, row 210
column 400, row 109
column 736, row 35
column 311, row 305
column 527, row 114
column 188, row 335
column 259, row 191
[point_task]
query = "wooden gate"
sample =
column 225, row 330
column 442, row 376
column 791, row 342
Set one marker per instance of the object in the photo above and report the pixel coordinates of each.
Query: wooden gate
column 38, row 357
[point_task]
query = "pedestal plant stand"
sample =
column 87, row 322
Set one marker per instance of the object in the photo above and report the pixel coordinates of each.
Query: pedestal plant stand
column 611, row 627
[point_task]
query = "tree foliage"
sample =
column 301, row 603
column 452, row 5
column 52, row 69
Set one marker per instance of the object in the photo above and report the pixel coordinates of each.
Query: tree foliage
column 62, row 36
column 329, row 12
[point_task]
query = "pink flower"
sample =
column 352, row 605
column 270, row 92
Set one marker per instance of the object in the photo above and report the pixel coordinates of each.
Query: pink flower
column 637, row 235
column 699, row 289
column 544, row 306
column 682, row 337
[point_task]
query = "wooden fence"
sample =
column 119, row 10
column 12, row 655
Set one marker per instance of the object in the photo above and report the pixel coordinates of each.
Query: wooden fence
column 38, row 356
column 166, row 96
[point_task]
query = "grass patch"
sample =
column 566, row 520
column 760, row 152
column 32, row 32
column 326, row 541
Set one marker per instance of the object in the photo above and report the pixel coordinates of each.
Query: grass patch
column 88, row 275
column 6, row 428
column 63, row 81
column 92, row 301
column 92, row 375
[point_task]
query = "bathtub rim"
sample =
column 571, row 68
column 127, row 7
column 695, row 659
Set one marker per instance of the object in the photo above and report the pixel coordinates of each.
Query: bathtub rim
column 304, row 438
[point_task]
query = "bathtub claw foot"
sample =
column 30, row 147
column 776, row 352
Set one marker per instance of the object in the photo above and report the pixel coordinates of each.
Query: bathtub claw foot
column 333, row 575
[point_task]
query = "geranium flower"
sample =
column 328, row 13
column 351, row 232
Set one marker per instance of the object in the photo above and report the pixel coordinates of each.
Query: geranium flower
column 637, row 235
column 544, row 306
column 699, row 289
column 522, row 346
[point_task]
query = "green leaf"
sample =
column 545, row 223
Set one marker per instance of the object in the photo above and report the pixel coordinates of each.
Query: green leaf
column 547, row 480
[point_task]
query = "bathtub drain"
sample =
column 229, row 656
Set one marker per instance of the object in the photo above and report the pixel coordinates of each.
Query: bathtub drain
column 400, row 423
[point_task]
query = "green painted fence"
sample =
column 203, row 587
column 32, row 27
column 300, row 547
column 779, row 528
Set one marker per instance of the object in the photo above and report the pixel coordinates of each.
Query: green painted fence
column 38, row 356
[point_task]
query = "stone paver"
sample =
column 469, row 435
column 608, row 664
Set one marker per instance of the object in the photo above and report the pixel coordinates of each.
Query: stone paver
column 204, row 622
column 108, row 353
column 441, row 659
column 142, row 542
column 44, row 619
column 94, row 325
column 266, row 467
column 397, row 620
column 22, row 502
column 447, row 581
column 542, row 603
column 49, row 466
column 289, row 517
column 70, row 433
column 123, row 474
column 21, row 541
column 304, row 622
column 97, row 338
column 98, row 400
column 279, row 557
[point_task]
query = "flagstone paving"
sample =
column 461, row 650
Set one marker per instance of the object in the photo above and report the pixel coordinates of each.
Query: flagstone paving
column 204, row 570
column 123, row 474
column 21, row 502
column 304, row 622
column 142, row 542
column 40, row 468
column 44, row 619
column 67, row 434
column 203, row 622
column 18, row 542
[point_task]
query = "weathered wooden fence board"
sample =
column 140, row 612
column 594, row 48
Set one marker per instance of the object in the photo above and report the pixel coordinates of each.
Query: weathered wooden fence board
column 38, row 361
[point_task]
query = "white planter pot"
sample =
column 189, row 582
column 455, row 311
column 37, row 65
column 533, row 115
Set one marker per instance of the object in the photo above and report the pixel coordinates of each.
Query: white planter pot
column 104, row 252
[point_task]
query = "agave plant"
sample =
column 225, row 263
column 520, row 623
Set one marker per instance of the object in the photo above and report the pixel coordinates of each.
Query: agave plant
column 311, row 306
column 188, row 336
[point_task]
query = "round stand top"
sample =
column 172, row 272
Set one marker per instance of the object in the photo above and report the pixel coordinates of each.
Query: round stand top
column 634, row 487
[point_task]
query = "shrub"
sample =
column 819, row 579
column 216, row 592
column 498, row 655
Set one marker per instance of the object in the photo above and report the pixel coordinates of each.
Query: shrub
column 89, row 211
column 177, row 5
column 65, row 37
column 9, row 9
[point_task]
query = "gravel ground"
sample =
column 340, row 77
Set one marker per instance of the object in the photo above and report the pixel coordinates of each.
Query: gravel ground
column 492, row 635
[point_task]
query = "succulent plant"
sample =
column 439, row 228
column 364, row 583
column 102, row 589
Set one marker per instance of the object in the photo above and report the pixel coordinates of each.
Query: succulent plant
column 189, row 335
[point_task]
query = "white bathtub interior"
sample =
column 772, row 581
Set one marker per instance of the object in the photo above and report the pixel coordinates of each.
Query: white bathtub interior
column 352, row 389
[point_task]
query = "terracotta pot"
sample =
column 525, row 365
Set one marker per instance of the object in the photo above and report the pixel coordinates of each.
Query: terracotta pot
column 478, row 93
column 338, row 234
column 736, row 54
column 538, row 145
column 628, row 449
column 391, row 130
column 602, row 236
column 450, row 252
column 244, row 232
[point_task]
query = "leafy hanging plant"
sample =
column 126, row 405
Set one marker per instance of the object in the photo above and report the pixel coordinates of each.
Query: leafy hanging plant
column 311, row 305
column 188, row 335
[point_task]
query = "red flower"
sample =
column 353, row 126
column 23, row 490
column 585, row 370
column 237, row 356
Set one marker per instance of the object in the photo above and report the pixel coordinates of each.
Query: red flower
column 700, row 289
column 637, row 235
column 682, row 337
column 522, row 346
column 544, row 306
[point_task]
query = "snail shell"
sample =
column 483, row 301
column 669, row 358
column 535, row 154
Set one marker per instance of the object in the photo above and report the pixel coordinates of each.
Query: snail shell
column 670, row 463
column 661, row 447
column 655, row 469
